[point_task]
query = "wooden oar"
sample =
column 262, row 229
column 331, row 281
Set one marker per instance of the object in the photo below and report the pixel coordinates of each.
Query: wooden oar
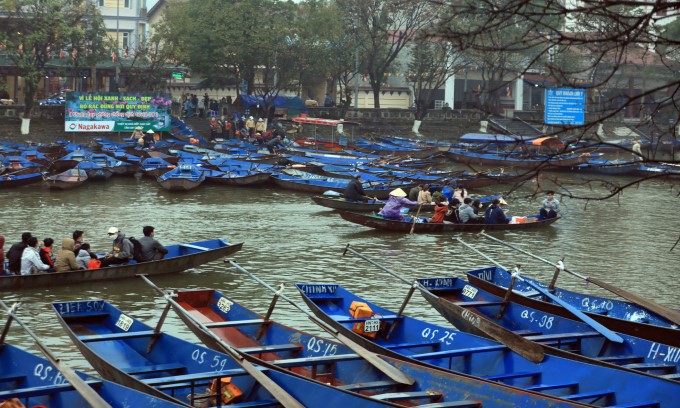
column 525, row 348
column 78, row 383
column 413, row 227
column 369, row 356
column 577, row 313
column 279, row 393
column 663, row 311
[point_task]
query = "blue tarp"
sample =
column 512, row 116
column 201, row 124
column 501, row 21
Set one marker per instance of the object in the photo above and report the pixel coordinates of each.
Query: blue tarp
column 294, row 104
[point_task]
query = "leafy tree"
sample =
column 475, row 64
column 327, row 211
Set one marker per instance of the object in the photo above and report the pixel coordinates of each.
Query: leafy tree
column 35, row 31
column 384, row 28
column 432, row 63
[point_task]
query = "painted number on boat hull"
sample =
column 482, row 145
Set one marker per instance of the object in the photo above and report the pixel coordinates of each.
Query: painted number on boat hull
column 48, row 374
column 124, row 322
column 224, row 305
column 430, row 334
column 542, row 320
column 316, row 345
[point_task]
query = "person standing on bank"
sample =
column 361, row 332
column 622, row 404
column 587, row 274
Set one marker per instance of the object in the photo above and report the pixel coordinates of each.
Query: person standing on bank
column 550, row 206
column 121, row 249
column 152, row 250
column 355, row 191
column 136, row 134
column 149, row 138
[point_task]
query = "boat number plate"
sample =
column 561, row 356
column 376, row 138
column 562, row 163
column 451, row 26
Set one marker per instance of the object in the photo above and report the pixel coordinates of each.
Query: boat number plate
column 469, row 291
column 371, row 326
column 124, row 322
column 224, row 305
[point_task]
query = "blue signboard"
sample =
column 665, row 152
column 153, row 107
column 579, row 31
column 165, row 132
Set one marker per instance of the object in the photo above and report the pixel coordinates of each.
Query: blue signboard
column 565, row 106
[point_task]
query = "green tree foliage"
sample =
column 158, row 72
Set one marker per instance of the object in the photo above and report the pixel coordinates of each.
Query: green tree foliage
column 34, row 32
column 384, row 28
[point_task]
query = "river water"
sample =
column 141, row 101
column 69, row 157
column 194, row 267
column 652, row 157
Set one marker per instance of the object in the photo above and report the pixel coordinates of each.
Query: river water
column 288, row 239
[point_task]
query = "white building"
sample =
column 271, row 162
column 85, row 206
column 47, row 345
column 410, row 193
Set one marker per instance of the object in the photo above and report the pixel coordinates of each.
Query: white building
column 125, row 21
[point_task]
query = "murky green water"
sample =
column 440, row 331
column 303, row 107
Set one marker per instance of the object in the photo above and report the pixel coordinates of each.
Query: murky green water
column 289, row 239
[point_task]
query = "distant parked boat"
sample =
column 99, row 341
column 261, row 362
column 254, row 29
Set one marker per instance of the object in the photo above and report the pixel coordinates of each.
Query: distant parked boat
column 69, row 179
column 184, row 177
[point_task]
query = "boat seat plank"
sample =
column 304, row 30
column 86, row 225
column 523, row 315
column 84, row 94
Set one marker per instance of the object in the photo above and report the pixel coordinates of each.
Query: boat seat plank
column 312, row 361
column 12, row 378
column 367, row 385
column 477, row 303
column 329, row 298
column 43, row 390
column 363, row 319
column 621, row 359
column 193, row 377
column 415, row 344
column 273, row 348
column 116, row 336
column 400, row 396
column 76, row 317
column 594, row 395
column 196, row 247
column 516, row 374
column 457, row 353
column 234, row 323
column 651, row 367
column 453, row 404
column 526, row 332
column 563, row 336
column 555, row 386
column 153, row 368
column 644, row 404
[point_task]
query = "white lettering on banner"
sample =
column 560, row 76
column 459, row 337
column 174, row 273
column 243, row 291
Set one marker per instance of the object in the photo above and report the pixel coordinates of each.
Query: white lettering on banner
column 89, row 126
column 469, row 291
column 224, row 305
column 124, row 322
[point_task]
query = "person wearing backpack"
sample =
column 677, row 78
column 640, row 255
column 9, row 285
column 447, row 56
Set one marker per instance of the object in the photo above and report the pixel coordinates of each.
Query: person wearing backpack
column 151, row 250
column 121, row 249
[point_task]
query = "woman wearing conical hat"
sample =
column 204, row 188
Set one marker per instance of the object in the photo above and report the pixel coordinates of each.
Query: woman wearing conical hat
column 397, row 200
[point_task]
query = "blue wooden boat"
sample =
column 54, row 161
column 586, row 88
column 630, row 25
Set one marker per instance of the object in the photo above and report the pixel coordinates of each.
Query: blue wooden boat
column 421, row 225
column 609, row 167
column 340, row 203
column 313, row 183
column 548, row 329
column 70, row 160
column 211, row 312
column 67, row 180
column 95, row 171
column 236, row 177
column 16, row 163
column 36, row 382
column 117, row 166
column 180, row 257
column 20, row 178
column 133, row 354
column 184, row 177
column 620, row 316
column 155, row 166
column 513, row 159
column 457, row 351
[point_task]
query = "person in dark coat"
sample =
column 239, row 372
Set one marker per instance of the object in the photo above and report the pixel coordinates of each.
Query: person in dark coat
column 151, row 249
column 15, row 252
column 355, row 191
column 494, row 214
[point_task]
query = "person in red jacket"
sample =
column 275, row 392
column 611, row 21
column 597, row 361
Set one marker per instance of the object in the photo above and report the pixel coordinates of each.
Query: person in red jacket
column 440, row 209
column 46, row 254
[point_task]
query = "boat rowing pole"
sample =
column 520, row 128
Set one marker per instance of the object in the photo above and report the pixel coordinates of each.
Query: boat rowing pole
column 369, row 356
column 609, row 334
column 665, row 312
column 526, row 348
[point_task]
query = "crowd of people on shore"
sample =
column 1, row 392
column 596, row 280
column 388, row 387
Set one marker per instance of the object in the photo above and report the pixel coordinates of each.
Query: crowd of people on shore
column 451, row 204
column 30, row 255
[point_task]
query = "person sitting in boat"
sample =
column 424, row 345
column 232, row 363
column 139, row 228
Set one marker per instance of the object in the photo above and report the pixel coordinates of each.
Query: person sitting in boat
column 355, row 191
column 149, row 138
column 136, row 134
column 30, row 258
column 424, row 196
column 84, row 256
column 637, row 151
column 397, row 200
column 440, row 209
column 460, row 193
column 66, row 259
column 276, row 141
column 414, row 191
column 15, row 253
column 46, row 253
column 78, row 238
column 121, row 249
column 494, row 213
column 152, row 250
column 447, row 191
column 550, row 206
column 467, row 213
column 2, row 255
column 452, row 215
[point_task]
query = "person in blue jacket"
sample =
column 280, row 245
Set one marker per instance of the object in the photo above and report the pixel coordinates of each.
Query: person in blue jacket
column 494, row 213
